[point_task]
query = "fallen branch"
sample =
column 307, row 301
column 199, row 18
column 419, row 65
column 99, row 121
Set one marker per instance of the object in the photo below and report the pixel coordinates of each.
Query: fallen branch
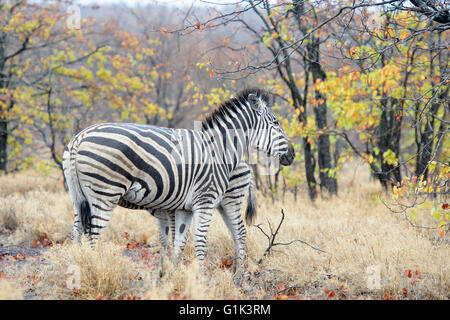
column 273, row 234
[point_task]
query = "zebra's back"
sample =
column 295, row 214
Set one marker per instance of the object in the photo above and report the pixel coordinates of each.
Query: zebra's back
column 145, row 165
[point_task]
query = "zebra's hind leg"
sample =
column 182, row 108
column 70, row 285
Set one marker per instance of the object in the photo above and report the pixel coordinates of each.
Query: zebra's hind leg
column 182, row 223
column 232, row 217
column 77, row 228
column 100, row 213
column 164, row 227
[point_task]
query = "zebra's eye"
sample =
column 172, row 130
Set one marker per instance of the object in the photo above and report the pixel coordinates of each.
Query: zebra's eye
column 276, row 122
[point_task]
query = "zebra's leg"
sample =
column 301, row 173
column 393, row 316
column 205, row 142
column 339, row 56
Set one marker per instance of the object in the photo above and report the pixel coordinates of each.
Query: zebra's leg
column 171, row 216
column 182, row 223
column 77, row 228
column 231, row 215
column 164, row 227
column 100, row 213
column 202, row 221
column 76, row 197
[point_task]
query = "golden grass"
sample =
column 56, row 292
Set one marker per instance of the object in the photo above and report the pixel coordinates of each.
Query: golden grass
column 355, row 229
column 104, row 272
column 10, row 290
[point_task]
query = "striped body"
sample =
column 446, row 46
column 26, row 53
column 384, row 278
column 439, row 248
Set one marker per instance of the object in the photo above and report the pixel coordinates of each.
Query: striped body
column 150, row 167
column 166, row 170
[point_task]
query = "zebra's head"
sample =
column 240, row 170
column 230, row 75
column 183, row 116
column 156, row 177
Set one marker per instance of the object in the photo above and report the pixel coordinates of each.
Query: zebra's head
column 268, row 134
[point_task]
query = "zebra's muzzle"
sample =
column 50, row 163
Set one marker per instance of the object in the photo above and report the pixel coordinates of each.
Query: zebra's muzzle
column 287, row 158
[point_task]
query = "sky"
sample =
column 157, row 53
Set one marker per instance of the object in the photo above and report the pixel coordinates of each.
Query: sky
column 144, row 2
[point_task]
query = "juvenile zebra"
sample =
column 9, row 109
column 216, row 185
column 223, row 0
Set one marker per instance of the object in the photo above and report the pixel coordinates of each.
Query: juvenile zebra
column 178, row 222
column 158, row 168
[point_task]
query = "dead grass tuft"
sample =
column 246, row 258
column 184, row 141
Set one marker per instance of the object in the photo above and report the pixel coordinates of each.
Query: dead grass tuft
column 10, row 290
column 37, row 215
column 24, row 182
column 105, row 272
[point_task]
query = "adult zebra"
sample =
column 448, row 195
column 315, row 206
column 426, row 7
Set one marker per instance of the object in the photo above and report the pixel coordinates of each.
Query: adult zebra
column 160, row 168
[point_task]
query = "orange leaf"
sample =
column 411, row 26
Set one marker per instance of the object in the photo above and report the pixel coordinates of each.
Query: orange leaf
column 226, row 263
column 408, row 273
column 441, row 233
column 211, row 73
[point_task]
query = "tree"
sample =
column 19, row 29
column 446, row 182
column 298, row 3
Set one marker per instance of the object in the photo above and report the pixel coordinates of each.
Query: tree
column 29, row 34
column 391, row 59
column 279, row 28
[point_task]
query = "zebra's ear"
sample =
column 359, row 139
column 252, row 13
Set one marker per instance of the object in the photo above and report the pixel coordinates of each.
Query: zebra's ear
column 254, row 101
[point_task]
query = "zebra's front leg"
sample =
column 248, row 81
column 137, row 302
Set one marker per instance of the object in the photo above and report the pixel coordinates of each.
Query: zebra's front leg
column 182, row 223
column 202, row 221
column 232, row 217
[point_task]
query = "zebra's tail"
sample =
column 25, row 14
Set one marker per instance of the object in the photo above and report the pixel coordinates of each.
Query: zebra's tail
column 250, row 212
column 73, row 184
column 86, row 217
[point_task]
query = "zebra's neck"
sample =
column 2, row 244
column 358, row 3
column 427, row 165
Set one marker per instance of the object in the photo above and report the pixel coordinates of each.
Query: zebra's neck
column 226, row 135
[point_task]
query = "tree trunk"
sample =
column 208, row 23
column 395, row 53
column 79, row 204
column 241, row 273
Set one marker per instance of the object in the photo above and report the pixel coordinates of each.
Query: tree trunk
column 3, row 145
column 320, row 112
column 310, row 166
column 310, row 162
column 388, row 134
column 425, row 144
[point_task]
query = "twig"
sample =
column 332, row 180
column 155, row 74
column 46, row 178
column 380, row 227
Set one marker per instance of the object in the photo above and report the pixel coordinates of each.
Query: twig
column 273, row 234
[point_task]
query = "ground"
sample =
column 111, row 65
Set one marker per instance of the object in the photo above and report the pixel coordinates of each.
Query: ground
column 348, row 247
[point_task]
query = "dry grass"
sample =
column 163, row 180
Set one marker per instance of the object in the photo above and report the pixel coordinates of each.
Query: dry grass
column 356, row 231
column 104, row 271
column 10, row 290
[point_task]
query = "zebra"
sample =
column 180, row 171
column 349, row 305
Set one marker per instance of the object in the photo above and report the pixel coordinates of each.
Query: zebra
column 230, row 209
column 158, row 168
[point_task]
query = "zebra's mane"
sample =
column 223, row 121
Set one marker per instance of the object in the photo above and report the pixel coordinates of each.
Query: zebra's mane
column 233, row 104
